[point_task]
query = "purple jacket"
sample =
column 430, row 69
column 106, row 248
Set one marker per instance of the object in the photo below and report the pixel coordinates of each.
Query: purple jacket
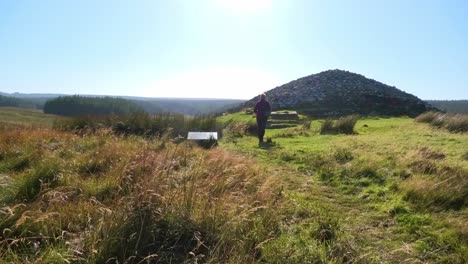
column 262, row 108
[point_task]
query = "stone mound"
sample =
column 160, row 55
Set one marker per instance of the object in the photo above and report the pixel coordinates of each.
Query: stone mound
column 339, row 93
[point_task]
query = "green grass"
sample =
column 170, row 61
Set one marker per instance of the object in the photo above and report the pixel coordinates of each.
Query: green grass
column 237, row 117
column 393, row 171
column 392, row 192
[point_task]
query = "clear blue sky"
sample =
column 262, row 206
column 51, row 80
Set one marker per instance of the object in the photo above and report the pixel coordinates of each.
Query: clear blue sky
column 229, row 48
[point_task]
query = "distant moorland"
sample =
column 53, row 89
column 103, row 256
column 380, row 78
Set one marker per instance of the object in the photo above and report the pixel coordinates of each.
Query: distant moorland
column 187, row 106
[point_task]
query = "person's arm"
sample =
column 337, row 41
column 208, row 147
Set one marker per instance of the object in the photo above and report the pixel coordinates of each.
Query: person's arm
column 267, row 109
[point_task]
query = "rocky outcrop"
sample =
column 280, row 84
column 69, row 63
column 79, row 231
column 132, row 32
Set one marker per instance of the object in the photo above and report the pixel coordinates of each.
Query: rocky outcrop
column 338, row 93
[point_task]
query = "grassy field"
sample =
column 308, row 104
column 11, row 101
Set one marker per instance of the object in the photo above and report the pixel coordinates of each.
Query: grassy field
column 12, row 116
column 396, row 191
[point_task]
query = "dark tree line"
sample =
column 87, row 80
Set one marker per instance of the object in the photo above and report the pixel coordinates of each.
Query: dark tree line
column 82, row 106
column 451, row 106
column 187, row 106
column 7, row 101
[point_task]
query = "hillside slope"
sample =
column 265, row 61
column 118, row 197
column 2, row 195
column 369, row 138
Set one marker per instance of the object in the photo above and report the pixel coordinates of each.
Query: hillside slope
column 337, row 93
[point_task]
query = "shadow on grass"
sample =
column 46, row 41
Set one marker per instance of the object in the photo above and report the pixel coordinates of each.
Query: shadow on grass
column 268, row 144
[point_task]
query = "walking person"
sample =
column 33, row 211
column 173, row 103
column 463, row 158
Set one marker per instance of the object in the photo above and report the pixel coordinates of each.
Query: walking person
column 262, row 111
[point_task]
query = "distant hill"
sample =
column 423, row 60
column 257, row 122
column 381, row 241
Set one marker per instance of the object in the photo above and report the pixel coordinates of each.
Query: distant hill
column 187, row 106
column 451, row 106
column 338, row 93
column 38, row 99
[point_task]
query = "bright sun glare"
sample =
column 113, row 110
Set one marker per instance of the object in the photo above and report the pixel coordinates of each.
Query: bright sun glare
column 215, row 82
column 245, row 6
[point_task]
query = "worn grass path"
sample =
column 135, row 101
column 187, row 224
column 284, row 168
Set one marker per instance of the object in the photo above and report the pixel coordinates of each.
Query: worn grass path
column 371, row 233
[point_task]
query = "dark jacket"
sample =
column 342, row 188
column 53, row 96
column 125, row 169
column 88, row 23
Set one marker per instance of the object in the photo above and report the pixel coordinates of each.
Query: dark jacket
column 262, row 108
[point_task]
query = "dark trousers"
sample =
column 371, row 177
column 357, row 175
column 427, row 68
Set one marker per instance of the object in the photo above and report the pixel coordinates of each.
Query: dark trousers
column 261, row 125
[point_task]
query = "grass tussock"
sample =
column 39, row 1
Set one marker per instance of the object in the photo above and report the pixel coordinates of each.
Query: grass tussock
column 446, row 188
column 428, row 153
column 101, row 198
column 344, row 125
column 431, row 182
column 457, row 123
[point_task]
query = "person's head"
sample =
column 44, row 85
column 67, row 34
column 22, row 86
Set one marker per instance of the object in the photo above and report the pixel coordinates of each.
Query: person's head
column 263, row 97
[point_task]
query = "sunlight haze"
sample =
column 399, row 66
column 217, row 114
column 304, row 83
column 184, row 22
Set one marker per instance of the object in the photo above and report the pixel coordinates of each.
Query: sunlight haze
column 229, row 48
column 244, row 7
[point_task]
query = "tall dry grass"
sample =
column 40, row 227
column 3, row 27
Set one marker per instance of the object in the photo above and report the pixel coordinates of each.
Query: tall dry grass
column 142, row 124
column 100, row 198
column 457, row 123
column 436, row 185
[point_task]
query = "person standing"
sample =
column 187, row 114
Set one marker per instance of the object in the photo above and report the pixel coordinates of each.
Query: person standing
column 262, row 111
